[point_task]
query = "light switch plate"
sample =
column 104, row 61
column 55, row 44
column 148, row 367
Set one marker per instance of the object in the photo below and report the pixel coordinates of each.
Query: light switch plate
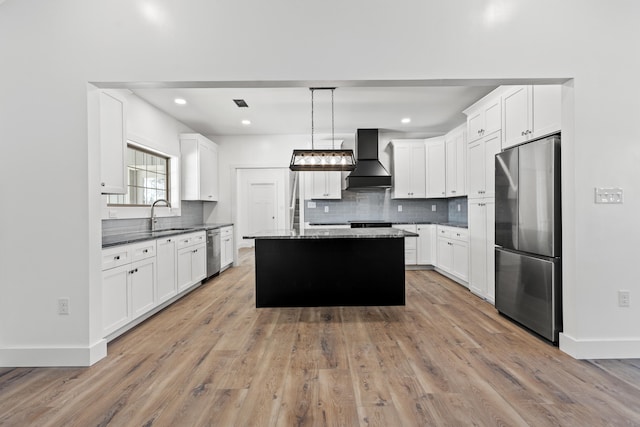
column 433, row 208
column 399, row 208
column 311, row 205
column 326, row 209
column 608, row 195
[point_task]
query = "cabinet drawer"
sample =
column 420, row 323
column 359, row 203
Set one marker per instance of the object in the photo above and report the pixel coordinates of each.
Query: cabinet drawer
column 115, row 257
column 443, row 232
column 143, row 250
column 190, row 239
column 226, row 232
column 461, row 234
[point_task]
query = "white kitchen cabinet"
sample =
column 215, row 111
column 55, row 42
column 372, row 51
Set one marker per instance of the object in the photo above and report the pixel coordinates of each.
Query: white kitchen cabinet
column 166, row 281
column 227, row 246
column 481, row 166
column 323, row 185
column 113, row 143
column 426, row 244
column 410, row 244
column 481, row 248
column 452, row 256
column 456, row 161
column 530, row 112
column 436, row 167
column 409, row 169
column 199, row 168
column 128, row 283
column 484, row 117
column 191, row 259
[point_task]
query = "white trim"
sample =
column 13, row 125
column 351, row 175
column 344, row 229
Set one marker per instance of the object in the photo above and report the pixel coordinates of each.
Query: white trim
column 600, row 348
column 53, row 356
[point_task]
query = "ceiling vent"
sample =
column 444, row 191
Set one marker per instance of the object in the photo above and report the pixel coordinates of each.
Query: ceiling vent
column 241, row 103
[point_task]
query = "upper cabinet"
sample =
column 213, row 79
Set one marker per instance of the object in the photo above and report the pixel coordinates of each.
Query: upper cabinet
column 113, row 143
column 323, row 185
column 484, row 117
column 481, row 166
column 456, row 155
column 530, row 112
column 436, row 167
column 199, row 165
column 409, row 169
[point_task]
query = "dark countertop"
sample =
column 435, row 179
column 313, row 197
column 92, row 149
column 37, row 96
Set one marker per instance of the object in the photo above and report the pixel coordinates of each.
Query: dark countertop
column 141, row 236
column 448, row 224
column 336, row 233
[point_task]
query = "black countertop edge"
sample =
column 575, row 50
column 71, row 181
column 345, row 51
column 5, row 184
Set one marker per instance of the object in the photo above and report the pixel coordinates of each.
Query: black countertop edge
column 448, row 224
column 141, row 236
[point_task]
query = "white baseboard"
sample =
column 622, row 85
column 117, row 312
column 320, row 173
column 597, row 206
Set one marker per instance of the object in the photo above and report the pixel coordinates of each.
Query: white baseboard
column 52, row 357
column 600, row 348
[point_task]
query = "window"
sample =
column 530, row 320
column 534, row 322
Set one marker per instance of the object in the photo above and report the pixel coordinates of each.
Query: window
column 147, row 179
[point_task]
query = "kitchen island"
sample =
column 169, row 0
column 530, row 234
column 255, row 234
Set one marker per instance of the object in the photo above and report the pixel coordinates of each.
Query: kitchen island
column 334, row 267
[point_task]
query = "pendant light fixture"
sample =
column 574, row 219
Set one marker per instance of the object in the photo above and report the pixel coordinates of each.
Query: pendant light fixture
column 322, row 160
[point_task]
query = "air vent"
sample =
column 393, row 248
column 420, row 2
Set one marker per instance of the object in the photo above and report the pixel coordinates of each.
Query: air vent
column 241, row 103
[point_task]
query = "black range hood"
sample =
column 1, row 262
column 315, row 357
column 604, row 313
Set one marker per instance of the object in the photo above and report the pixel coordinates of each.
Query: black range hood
column 369, row 172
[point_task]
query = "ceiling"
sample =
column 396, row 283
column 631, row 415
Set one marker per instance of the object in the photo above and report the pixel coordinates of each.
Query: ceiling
column 287, row 110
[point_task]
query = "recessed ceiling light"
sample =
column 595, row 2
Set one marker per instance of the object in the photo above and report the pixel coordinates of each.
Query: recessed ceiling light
column 246, row 122
column 241, row 103
column 180, row 101
column 406, row 120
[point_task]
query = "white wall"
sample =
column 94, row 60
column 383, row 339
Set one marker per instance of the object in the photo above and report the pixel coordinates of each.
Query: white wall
column 49, row 220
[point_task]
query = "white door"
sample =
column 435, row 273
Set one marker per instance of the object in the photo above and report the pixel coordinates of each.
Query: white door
column 262, row 206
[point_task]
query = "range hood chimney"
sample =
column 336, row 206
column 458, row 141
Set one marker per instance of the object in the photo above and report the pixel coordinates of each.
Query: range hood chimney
column 369, row 172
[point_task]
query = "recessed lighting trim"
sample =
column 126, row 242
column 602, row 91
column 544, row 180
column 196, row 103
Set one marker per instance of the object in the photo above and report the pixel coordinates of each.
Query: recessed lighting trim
column 180, row 101
column 241, row 103
column 406, row 120
column 246, row 122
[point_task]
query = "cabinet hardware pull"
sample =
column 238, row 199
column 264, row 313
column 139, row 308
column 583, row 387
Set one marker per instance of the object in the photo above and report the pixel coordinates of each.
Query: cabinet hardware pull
column 168, row 240
column 145, row 251
column 136, row 270
column 103, row 184
column 117, row 257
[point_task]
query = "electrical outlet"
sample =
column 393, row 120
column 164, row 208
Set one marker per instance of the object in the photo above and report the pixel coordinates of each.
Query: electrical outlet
column 433, row 208
column 458, row 207
column 63, row 305
column 326, row 209
column 311, row 205
column 399, row 208
column 624, row 298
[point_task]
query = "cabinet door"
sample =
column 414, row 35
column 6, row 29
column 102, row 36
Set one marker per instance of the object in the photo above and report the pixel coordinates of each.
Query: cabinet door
column 166, row 280
column 490, row 250
column 492, row 116
column 436, row 169
column 476, row 169
column 444, row 254
column 418, row 171
column 115, row 298
column 426, row 249
column 113, row 144
column 452, row 177
column 491, row 148
column 228, row 251
column 334, row 185
column 516, row 116
column 475, row 123
column 142, row 285
column 460, row 264
column 184, row 268
column 410, row 244
column 208, row 161
column 547, row 110
column 198, row 263
column 402, row 172
column 477, row 215
column 461, row 164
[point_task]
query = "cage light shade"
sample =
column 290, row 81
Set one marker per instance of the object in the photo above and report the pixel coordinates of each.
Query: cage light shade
column 322, row 160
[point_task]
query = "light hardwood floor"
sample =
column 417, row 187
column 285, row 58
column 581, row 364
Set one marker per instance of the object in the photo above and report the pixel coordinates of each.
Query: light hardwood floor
column 445, row 359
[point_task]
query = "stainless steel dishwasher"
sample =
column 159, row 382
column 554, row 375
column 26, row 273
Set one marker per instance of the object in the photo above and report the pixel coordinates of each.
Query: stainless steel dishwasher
column 213, row 252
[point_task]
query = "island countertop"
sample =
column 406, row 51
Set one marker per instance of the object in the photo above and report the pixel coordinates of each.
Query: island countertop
column 334, row 233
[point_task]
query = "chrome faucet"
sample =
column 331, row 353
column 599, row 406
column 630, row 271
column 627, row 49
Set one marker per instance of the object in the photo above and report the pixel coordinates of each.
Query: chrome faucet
column 154, row 220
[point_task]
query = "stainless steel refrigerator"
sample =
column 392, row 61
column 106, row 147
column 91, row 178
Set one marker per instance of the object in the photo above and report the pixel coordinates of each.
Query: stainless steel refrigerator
column 528, row 236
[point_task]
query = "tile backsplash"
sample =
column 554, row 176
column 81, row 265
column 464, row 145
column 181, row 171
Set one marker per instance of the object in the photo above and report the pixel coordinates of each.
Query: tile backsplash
column 191, row 214
column 377, row 204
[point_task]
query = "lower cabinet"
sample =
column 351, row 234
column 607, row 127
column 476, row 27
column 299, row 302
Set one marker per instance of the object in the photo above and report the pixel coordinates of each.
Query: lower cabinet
column 481, row 247
column 166, row 282
column 410, row 244
column 192, row 259
column 419, row 250
column 452, row 254
column 226, row 247
column 128, row 283
column 140, row 277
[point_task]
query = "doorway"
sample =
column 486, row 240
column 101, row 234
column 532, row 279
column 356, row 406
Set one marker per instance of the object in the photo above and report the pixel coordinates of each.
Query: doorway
column 261, row 195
